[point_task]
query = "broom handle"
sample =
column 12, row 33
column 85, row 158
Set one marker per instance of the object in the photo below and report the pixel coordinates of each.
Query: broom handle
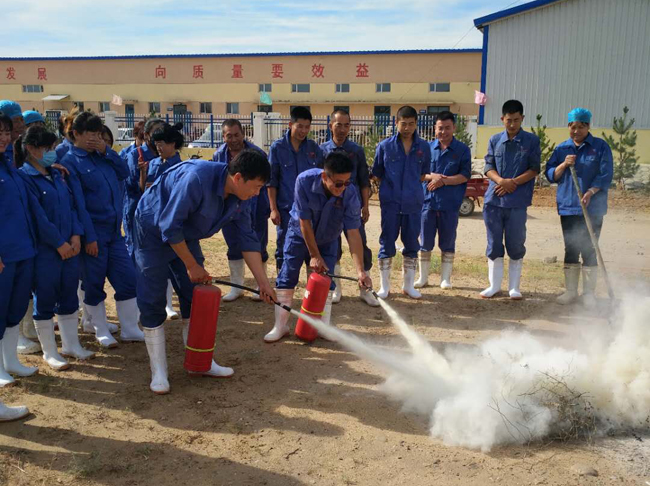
column 590, row 229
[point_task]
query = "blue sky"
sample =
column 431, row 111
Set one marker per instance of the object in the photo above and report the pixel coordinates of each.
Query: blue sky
column 104, row 28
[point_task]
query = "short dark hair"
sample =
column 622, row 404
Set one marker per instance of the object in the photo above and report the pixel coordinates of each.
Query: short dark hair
column 251, row 164
column 107, row 131
column 152, row 123
column 5, row 122
column 511, row 107
column 169, row 134
column 35, row 136
column 232, row 122
column 446, row 115
column 340, row 111
column 85, row 122
column 407, row 112
column 338, row 163
column 300, row 113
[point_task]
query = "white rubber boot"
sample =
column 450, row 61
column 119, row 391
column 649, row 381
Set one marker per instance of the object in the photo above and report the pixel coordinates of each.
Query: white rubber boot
column 215, row 370
column 86, row 317
column 514, row 278
column 408, row 273
column 589, row 282
column 338, row 291
column 446, row 266
column 7, row 414
column 29, row 331
column 10, row 354
column 236, row 277
column 185, row 330
column 97, row 314
column 256, row 297
column 70, row 345
column 495, row 276
column 424, row 263
column 368, row 298
column 281, row 326
column 155, row 341
column 26, row 346
column 385, row 265
column 571, row 279
column 169, row 308
column 128, row 314
column 51, row 356
column 5, row 378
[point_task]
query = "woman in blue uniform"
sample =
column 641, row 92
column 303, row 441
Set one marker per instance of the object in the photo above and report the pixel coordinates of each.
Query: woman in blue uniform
column 56, row 266
column 17, row 251
column 594, row 166
column 168, row 140
column 98, row 172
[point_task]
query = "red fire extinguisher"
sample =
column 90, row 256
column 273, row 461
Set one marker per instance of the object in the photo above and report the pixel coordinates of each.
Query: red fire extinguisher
column 203, row 328
column 318, row 286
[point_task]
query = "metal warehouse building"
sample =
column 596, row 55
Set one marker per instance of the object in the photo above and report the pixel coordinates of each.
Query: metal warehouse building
column 555, row 55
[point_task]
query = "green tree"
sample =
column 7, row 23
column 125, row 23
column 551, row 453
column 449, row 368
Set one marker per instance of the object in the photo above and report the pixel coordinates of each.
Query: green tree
column 372, row 139
column 461, row 133
column 545, row 145
column 626, row 162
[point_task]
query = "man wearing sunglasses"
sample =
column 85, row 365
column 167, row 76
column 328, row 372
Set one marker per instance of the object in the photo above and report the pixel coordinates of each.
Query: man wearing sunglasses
column 340, row 128
column 324, row 205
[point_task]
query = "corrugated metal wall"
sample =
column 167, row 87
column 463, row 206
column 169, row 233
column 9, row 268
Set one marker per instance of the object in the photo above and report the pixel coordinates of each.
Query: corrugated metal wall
column 589, row 53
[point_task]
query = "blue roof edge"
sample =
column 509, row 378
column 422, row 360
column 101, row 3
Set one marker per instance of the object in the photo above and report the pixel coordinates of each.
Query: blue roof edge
column 256, row 54
column 481, row 21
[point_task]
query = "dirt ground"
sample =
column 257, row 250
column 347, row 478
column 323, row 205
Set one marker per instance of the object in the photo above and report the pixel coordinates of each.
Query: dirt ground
column 297, row 414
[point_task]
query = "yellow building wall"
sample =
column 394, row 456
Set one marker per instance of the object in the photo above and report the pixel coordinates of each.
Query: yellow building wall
column 559, row 135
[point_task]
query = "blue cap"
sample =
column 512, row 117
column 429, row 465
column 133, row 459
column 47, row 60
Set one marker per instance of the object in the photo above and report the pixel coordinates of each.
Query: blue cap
column 31, row 116
column 11, row 108
column 580, row 115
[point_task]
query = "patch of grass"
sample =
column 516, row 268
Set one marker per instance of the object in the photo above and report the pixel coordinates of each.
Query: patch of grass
column 85, row 466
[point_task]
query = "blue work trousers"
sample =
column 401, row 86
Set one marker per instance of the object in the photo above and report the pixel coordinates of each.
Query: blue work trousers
column 397, row 224
column 16, row 281
column 296, row 254
column 281, row 231
column 55, row 284
column 507, row 224
column 442, row 223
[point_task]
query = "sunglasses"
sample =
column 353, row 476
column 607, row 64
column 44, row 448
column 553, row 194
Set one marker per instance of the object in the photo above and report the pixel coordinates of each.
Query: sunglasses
column 340, row 184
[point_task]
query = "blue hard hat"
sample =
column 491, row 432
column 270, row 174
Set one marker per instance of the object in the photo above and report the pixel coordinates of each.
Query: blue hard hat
column 31, row 116
column 11, row 108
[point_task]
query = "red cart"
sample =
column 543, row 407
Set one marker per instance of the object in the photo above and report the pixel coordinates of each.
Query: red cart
column 476, row 188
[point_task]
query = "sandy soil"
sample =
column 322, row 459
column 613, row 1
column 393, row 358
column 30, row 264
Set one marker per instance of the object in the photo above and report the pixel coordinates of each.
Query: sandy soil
column 297, row 414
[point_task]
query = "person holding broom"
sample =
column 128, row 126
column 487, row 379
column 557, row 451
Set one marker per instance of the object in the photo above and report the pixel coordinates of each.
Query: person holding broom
column 592, row 159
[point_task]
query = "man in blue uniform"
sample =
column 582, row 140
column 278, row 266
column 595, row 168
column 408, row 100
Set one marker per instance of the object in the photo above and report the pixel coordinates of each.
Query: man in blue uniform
column 592, row 159
column 511, row 164
column 289, row 156
column 258, row 206
column 401, row 163
column 189, row 202
column 340, row 128
column 322, row 208
column 444, row 190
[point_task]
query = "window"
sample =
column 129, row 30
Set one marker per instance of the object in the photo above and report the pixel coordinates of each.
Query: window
column 383, row 88
column 342, row 107
column 342, row 88
column 104, row 106
column 439, row 87
column 32, row 88
column 154, row 107
column 206, row 108
column 232, row 108
column 434, row 110
column 382, row 110
column 80, row 106
column 265, row 88
column 265, row 108
column 300, row 88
